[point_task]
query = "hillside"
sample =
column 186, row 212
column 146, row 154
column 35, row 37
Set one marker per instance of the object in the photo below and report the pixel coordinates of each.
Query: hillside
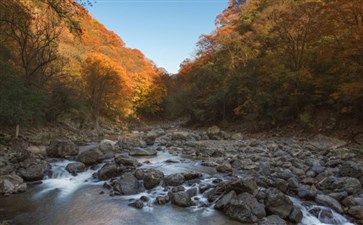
column 273, row 63
column 59, row 61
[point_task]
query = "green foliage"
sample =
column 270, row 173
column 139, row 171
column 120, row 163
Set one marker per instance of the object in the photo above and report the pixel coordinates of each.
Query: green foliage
column 18, row 104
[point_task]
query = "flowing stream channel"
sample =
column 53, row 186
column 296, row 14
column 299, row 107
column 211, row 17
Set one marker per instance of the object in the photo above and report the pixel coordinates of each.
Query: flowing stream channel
column 64, row 199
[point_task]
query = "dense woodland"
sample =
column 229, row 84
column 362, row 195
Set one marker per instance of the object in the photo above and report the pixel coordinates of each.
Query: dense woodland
column 274, row 62
column 57, row 61
column 268, row 61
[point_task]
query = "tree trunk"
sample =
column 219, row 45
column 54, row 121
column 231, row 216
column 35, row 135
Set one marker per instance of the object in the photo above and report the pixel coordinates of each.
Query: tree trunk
column 17, row 131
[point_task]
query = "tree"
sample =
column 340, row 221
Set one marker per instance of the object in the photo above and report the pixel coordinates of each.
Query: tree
column 107, row 87
column 18, row 103
column 35, row 42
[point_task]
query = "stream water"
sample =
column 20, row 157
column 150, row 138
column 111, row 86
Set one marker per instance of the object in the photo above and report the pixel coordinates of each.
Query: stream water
column 67, row 200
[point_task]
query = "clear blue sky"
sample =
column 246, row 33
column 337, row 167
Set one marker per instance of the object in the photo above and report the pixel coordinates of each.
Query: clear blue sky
column 166, row 31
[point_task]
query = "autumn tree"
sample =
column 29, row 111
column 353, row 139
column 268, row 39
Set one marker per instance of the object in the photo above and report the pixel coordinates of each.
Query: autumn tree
column 107, row 87
column 35, row 41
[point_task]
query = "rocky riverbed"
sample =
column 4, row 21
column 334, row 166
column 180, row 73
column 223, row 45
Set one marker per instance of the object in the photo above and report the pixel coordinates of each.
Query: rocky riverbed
column 178, row 176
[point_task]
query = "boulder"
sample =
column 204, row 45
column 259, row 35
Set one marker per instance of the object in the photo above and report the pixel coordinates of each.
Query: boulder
column 138, row 204
column 162, row 200
column 152, row 135
column 192, row 175
column 278, row 203
column 324, row 142
column 181, row 136
column 76, row 167
column 351, row 169
column 62, row 149
column 356, row 212
column 224, row 168
column 181, row 199
column 33, row 170
column 329, row 202
column 107, row 147
column 246, row 184
column 143, row 152
column 240, row 210
column 126, row 161
column 221, row 203
column 127, row 184
column 11, row 184
column 152, row 178
column 91, row 157
column 272, row 220
column 175, row 179
column 41, row 150
column 352, row 201
column 349, row 184
column 213, row 132
column 296, row 215
column 6, row 167
column 237, row 136
column 257, row 208
column 128, row 144
column 108, row 171
column 307, row 192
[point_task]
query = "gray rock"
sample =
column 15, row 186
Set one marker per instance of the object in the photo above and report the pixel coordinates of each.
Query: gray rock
column 62, row 149
column 329, row 202
column 138, row 204
column 108, row 171
column 272, row 220
column 278, row 203
column 246, row 184
column 221, row 203
column 356, row 212
column 152, row 178
column 181, row 136
column 337, row 184
column 175, row 179
column 162, row 200
column 339, row 196
column 91, row 157
column 323, row 142
column 11, row 184
column 76, row 167
column 351, row 169
column 192, row 191
column 307, row 192
column 224, row 168
column 107, row 145
column 296, row 215
column 6, row 167
column 33, row 170
column 192, row 175
column 126, row 161
column 241, row 211
column 181, row 199
column 152, row 135
column 129, row 144
column 127, row 184
column 143, row 152
column 352, row 201
column 257, row 208
column 237, row 136
column 214, row 133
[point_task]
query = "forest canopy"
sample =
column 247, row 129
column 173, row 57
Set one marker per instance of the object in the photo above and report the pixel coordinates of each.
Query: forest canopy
column 273, row 62
column 57, row 60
